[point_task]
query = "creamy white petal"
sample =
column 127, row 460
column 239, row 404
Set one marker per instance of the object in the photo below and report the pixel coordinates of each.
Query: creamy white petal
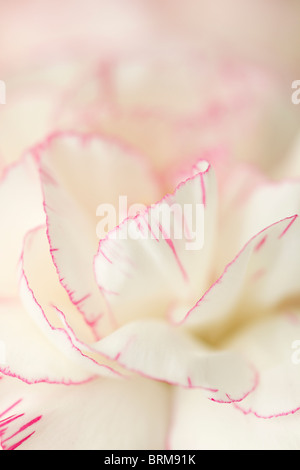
column 156, row 350
column 104, row 414
column 268, row 203
column 200, row 424
column 78, row 174
column 44, row 282
column 21, row 209
column 162, row 256
column 273, row 346
column 253, row 282
column 43, row 303
column 29, row 355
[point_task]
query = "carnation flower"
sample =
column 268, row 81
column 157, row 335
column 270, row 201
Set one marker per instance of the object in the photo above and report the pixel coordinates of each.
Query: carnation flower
column 142, row 329
column 149, row 199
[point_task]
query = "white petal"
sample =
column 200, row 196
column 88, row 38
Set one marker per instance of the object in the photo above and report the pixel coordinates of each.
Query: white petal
column 250, row 204
column 267, row 204
column 159, row 351
column 162, row 256
column 43, row 279
column 200, row 424
column 253, row 281
column 43, row 297
column 21, row 209
column 273, row 346
column 28, row 354
column 104, row 414
column 78, row 174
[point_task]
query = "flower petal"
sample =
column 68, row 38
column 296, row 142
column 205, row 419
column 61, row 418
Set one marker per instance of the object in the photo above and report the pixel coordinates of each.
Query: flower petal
column 21, row 209
column 272, row 345
column 43, row 297
column 78, row 174
column 104, row 414
column 198, row 423
column 42, row 277
column 156, row 350
column 252, row 283
column 29, row 356
column 267, row 204
column 162, row 256
column 250, row 204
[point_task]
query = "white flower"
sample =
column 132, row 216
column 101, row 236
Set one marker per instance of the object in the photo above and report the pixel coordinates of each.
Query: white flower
column 124, row 344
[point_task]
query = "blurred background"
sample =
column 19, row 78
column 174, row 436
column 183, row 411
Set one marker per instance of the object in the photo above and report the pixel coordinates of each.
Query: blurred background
column 174, row 78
